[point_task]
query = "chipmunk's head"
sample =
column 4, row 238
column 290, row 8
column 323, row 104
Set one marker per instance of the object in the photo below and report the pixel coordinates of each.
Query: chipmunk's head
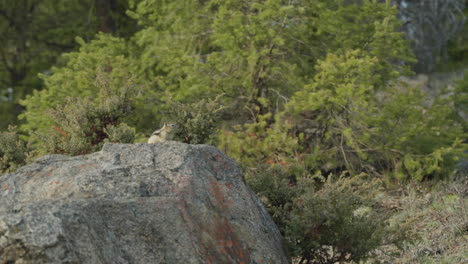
column 169, row 127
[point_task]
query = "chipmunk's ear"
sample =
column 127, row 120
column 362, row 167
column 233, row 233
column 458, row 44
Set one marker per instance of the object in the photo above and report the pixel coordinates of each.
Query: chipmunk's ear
column 165, row 124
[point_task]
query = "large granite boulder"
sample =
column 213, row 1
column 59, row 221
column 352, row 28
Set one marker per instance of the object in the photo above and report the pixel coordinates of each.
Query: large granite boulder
column 135, row 203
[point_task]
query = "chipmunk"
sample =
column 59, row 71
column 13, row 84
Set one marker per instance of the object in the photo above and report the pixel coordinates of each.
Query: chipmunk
column 163, row 134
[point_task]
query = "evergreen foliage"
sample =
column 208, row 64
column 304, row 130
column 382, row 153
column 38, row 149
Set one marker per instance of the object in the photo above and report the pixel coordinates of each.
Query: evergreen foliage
column 196, row 122
column 371, row 28
column 259, row 143
column 75, row 76
column 34, row 33
column 347, row 120
column 170, row 47
column 13, row 151
column 83, row 125
column 335, row 224
column 336, row 220
column 373, row 126
column 457, row 50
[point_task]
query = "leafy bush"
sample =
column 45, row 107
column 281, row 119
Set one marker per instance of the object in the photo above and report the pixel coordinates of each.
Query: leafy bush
column 261, row 143
column 278, row 187
column 412, row 139
column 383, row 129
column 196, row 122
column 75, row 76
column 13, row 151
column 346, row 119
column 121, row 133
column 324, row 221
column 334, row 224
column 82, row 125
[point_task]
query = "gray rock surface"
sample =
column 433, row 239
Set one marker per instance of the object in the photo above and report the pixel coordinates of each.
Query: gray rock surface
column 135, row 203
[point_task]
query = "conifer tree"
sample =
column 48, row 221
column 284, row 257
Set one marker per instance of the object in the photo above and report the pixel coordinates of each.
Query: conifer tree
column 33, row 34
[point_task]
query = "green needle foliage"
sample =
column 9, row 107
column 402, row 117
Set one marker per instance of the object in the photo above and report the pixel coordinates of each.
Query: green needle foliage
column 13, row 151
column 83, row 125
column 337, row 220
column 335, row 224
column 376, row 127
column 75, row 76
column 33, row 34
column 196, row 122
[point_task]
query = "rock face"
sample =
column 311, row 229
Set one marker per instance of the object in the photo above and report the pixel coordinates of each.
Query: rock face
column 135, row 203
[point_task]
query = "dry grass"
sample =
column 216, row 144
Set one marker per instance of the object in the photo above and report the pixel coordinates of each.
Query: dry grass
column 435, row 222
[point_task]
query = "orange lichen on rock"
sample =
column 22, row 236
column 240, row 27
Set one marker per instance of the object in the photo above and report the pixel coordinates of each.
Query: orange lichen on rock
column 218, row 194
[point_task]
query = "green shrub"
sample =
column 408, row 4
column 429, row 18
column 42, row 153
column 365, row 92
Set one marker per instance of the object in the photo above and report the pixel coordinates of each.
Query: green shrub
column 121, row 133
column 82, row 125
column 13, row 151
column 324, row 221
column 347, row 120
column 334, row 224
column 196, row 122
column 380, row 128
column 278, row 188
column 261, row 143
column 75, row 75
